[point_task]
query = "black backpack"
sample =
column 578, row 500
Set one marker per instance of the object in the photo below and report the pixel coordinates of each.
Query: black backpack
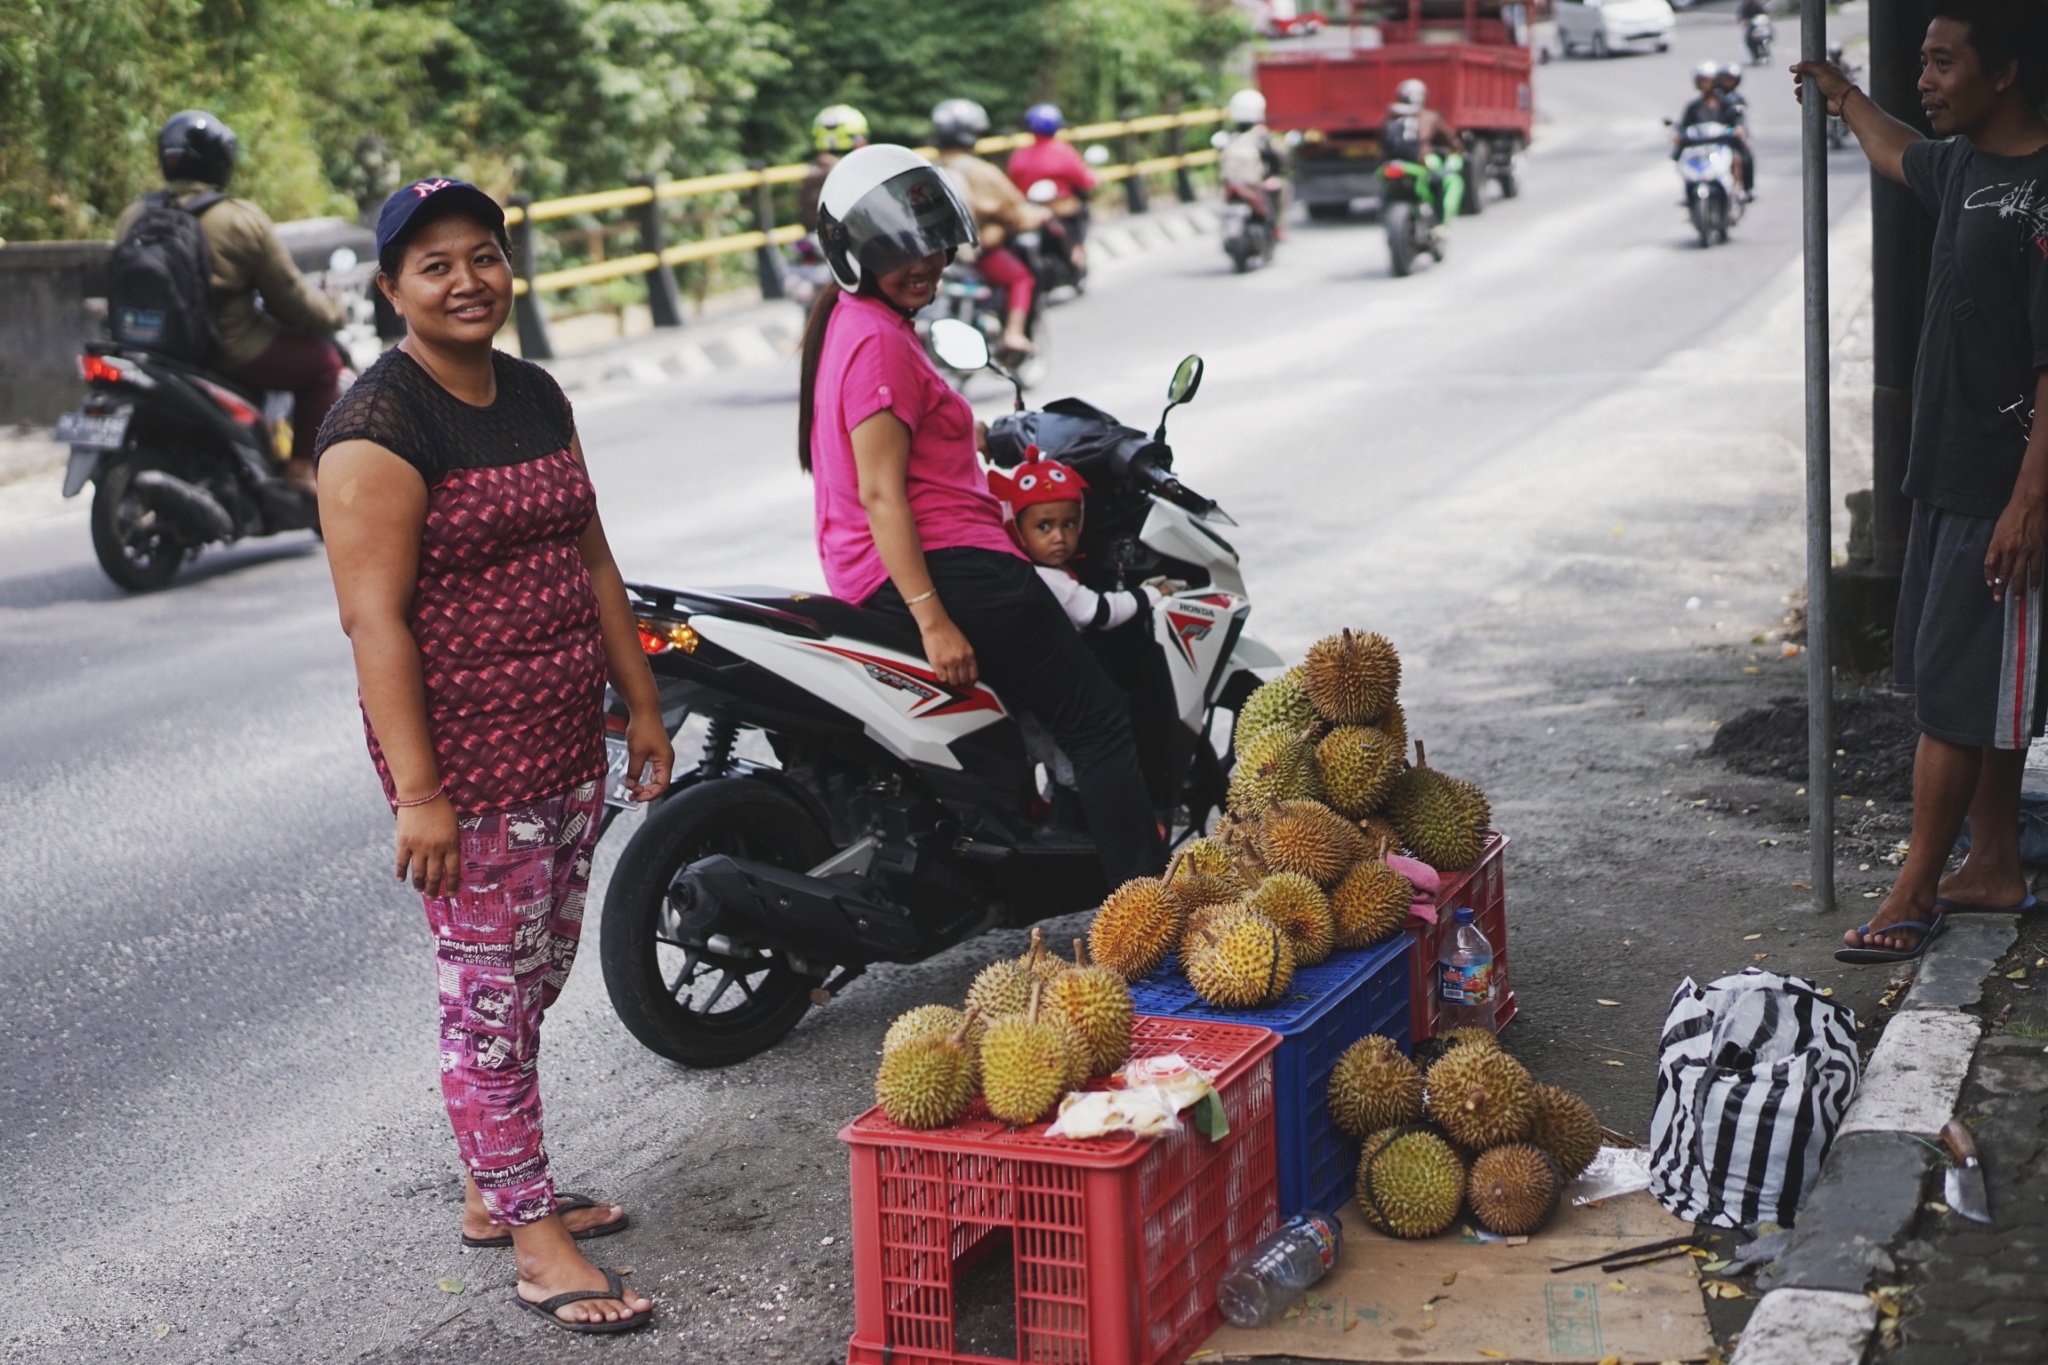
column 160, row 281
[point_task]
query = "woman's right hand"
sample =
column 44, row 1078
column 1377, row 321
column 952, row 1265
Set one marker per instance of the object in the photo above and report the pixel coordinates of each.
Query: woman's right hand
column 430, row 847
column 949, row 654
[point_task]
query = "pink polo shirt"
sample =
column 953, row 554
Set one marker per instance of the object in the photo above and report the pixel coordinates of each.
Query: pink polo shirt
column 872, row 360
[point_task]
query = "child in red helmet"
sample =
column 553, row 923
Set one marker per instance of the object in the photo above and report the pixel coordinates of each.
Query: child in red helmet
column 1042, row 503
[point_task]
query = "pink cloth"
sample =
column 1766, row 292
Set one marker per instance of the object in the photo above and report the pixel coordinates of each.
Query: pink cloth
column 872, row 361
column 1003, row 268
column 1050, row 159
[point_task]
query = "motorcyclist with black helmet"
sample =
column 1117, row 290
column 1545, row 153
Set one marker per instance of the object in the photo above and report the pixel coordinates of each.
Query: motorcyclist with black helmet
column 1000, row 211
column 906, row 525
column 1736, row 115
column 285, row 343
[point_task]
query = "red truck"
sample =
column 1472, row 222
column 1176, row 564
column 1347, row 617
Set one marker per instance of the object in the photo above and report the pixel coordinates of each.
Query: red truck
column 1472, row 54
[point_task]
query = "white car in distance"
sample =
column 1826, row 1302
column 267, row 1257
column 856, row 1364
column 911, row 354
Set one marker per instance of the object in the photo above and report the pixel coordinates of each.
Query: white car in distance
column 1605, row 26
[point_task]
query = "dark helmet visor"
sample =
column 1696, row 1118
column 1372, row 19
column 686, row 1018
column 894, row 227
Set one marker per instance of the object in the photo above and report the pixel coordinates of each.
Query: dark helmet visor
column 907, row 218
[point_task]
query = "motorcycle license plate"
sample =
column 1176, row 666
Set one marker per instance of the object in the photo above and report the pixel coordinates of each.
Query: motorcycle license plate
column 615, row 793
column 95, row 431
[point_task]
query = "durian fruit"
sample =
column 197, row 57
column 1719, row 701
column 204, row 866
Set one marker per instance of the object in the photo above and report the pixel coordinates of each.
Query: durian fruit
column 1080, row 1057
column 1513, row 1189
column 1205, row 856
column 1374, row 1086
column 1200, row 920
column 1351, row 679
column 1564, row 1126
column 1443, row 820
column 1273, row 765
column 928, row 1081
column 923, row 1022
column 1380, row 833
column 1370, row 904
column 1240, row 835
column 1394, row 725
column 1098, row 1003
column 1002, row 987
column 1042, row 965
column 1310, row 838
column 1469, row 1036
column 1480, row 1097
column 1135, row 928
column 1357, row 765
column 1302, row 912
column 1411, row 1182
column 1025, row 1061
column 1239, row 960
column 1283, row 702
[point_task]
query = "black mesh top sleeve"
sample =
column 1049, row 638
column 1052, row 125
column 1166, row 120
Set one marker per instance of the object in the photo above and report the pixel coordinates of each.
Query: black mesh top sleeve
column 396, row 404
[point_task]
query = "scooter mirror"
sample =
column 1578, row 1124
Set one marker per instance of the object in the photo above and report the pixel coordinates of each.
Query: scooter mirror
column 1097, row 155
column 1186, row 380
column 959, row 346
column 1042, row 191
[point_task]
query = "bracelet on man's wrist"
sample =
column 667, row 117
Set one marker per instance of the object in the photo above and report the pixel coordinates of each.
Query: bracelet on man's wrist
column 927, row 595
column 429, row 799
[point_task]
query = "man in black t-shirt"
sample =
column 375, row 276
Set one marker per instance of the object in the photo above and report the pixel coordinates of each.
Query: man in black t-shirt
column 1968, row 644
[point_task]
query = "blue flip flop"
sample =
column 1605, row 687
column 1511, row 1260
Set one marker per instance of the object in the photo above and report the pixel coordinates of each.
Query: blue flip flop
column 1947, row 906
column 1864, row 956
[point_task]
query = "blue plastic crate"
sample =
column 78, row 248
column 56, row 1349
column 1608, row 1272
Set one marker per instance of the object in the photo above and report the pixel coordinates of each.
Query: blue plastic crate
column 1328, row 1007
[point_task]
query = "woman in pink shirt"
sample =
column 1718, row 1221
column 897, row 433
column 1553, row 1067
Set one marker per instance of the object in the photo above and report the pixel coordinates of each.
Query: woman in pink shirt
column 905, row 522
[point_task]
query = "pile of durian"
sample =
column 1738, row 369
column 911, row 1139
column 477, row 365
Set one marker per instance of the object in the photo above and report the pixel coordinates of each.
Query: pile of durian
column 1034, row 1028
column 1475, row 1131
column 1297, row 869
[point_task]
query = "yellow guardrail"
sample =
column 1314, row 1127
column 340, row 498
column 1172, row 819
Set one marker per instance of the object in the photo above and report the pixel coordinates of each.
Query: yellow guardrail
column 648, row 264
column 730, row 182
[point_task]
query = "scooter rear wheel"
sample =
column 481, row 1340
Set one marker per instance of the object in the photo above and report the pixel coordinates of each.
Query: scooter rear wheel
column 137, row 545
column 716, row 1003
column 1401, row 237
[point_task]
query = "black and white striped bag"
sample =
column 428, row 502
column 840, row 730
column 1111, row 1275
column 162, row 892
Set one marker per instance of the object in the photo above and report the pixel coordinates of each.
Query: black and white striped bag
column 1754, row 1074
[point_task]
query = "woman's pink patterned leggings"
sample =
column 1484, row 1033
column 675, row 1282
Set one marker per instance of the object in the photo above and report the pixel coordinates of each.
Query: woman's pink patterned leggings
column 502, row 948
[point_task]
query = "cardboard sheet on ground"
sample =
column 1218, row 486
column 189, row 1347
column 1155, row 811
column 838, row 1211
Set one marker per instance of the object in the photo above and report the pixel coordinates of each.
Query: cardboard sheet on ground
column 1472, row 1303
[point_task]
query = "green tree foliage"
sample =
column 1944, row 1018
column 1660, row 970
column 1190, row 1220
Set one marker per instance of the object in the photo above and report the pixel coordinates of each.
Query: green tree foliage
column 339, row 101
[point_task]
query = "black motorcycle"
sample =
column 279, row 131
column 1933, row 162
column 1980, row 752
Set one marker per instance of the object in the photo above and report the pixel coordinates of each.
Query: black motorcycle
column 901, row 815
column 179, row 458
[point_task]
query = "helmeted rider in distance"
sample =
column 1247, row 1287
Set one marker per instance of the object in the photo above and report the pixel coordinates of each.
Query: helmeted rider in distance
column 285, row 343
column 906, row 525
column 1712, row 104
column 1736, row 116
column 837, row 130
column 1000, row 211
column 1417, row 133
column 1252, row 167
column 1048, row 158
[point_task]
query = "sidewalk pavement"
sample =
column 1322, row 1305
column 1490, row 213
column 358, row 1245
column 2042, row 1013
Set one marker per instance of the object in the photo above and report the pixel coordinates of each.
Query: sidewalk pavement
column 1876, row 1254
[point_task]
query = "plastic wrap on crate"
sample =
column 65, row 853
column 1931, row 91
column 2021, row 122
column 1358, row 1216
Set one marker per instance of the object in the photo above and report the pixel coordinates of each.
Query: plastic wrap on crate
column 1117, row 1243
column 1484, row 887
column 1328, row 1007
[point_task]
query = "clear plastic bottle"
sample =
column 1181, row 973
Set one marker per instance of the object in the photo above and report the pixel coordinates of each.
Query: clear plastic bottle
column 1280, row 1269
column 1465, row 984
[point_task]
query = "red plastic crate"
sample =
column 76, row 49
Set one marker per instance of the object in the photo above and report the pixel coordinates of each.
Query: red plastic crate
column 1484, row 887
column 1117, row 1243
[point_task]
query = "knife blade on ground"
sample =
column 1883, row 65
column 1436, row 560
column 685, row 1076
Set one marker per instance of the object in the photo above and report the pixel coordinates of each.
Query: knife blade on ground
column 1962, row 1184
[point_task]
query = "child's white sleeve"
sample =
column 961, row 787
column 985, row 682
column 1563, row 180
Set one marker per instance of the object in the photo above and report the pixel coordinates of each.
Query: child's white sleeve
column 1092, row 610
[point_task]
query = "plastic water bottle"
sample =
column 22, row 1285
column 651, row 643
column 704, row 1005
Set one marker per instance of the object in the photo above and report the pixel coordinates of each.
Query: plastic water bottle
column 1280, row 1269
column 1464, row 972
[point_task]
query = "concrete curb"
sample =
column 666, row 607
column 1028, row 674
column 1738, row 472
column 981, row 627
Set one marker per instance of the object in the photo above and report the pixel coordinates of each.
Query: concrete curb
column 770, row 331
column 1816, row 1309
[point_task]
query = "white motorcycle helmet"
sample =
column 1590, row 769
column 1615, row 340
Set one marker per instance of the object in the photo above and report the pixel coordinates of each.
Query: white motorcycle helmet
column 1247, row 108
column 883, row 207
column 1412, row 93
column 1706, row 71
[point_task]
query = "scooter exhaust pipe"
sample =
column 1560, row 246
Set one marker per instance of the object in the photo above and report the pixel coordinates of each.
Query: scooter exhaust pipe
column 773, row 907
column 185, row 503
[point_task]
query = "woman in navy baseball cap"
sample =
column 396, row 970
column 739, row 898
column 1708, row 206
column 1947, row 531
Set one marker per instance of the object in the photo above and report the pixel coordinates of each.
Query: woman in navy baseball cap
column 486, row 616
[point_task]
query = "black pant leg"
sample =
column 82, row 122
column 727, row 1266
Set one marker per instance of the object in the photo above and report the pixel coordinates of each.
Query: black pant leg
column 1029, row 652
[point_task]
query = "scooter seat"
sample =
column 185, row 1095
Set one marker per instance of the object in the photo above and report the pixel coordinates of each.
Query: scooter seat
column 795, row 613
column 253, row 397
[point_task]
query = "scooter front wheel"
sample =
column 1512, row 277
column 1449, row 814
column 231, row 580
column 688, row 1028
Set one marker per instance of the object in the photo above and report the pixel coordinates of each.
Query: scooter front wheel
column 137, row 545
column 717, row 1002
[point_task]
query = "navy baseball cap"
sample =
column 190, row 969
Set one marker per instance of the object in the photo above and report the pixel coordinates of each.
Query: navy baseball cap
column 445, row 195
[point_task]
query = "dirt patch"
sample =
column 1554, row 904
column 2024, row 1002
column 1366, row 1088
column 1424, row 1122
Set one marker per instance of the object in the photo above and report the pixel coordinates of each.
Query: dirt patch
column 1874, row 742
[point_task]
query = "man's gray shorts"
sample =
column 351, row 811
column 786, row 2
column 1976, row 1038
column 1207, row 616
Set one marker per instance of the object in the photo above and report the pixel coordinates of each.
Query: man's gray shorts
column 1971, row 664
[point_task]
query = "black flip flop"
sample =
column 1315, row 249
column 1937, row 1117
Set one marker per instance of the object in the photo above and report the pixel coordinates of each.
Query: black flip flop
column 564, row 1203
column 1949, row 907
column 1871, row 956
column 613, row 1289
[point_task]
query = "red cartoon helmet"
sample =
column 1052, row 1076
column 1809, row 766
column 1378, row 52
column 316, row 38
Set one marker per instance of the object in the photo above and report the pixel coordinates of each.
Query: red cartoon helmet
column 1033, row 482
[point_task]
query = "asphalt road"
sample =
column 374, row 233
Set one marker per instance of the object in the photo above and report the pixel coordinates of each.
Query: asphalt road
column 223, row 1134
